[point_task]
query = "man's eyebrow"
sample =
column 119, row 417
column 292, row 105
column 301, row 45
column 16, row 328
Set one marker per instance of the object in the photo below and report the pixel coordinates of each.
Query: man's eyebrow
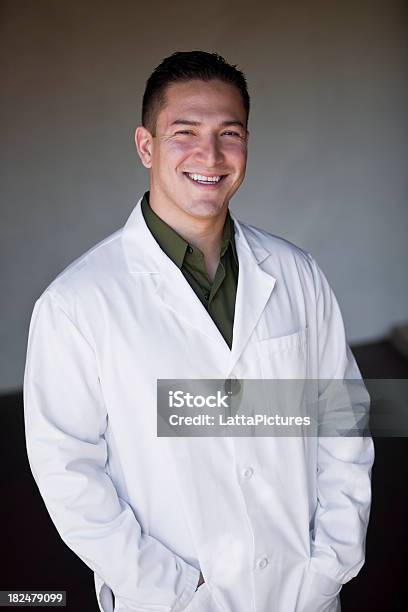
column 184, row 122
column 196, row 123
column 233, row 122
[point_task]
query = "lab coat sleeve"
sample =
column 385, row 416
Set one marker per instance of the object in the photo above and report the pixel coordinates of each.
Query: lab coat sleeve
column 65, row 420
column 344, row 463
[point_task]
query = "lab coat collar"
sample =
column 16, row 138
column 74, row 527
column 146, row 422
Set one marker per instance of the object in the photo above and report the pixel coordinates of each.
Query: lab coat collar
column 144, row 256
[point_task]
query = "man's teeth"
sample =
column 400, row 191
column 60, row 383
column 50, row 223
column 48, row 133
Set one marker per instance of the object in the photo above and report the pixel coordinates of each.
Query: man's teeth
column 204, row 179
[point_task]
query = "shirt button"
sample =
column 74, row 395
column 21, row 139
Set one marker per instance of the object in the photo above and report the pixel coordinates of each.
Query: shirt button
column 262, row 563
column 189, row 249
column 207, row 296
column 247, row 472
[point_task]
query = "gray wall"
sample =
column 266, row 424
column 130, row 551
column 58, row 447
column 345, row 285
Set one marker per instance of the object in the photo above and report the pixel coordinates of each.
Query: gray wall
column 328, row 146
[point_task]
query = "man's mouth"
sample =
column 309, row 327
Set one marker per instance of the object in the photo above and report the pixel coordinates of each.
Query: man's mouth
column 202, row 179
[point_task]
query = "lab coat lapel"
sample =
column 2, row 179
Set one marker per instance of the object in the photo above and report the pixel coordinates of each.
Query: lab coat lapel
column 254, row 289
column 178, row 296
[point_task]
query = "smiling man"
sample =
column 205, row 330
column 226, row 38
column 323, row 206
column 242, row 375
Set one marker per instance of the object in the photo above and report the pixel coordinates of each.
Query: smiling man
column 195, row 146
column 186, row 291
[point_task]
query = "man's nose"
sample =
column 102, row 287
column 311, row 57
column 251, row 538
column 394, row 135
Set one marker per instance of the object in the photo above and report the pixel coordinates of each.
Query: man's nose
column 210, row 151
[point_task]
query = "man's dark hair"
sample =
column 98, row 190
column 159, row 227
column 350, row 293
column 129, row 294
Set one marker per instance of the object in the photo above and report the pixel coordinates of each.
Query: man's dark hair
column 185, row 66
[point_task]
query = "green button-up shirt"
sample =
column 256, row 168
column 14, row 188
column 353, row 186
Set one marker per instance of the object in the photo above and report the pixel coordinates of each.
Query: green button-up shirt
column 218, row 297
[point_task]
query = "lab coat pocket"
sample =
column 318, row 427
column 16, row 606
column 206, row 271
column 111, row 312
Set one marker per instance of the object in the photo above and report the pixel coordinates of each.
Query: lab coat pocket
column 319, row 593
column 283, row 356
column 202, row 601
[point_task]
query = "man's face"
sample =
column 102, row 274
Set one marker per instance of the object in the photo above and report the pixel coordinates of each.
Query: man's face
column 198, row 155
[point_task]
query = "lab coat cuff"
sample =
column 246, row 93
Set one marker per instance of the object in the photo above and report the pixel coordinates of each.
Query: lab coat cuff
column 192, row 576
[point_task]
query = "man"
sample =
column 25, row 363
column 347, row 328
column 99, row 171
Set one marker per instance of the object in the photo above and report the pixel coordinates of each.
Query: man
column 185, row 291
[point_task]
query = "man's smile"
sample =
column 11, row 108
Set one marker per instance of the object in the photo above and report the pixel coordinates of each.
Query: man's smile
column 208, row 181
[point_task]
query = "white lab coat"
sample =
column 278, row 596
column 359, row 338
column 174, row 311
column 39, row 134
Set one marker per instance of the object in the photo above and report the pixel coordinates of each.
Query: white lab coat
column 146, row 513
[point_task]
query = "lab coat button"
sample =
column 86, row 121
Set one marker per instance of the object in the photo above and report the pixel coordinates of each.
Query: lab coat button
column 232, row 385
column 262, row 563
column 247, row 472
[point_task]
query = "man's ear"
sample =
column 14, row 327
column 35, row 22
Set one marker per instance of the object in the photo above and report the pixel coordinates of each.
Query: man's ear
column 144, row 145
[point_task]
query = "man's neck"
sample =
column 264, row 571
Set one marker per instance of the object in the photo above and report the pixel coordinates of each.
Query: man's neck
column 202, row 233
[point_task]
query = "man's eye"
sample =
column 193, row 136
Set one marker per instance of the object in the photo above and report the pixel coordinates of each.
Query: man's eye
column 231, row 133
column 184, row 132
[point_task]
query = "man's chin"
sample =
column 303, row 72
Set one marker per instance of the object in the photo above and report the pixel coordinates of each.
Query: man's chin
column 205, row 209
column 206, row 205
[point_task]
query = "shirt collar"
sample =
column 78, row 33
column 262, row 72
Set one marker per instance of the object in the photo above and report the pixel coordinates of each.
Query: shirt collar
column 173, row 244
